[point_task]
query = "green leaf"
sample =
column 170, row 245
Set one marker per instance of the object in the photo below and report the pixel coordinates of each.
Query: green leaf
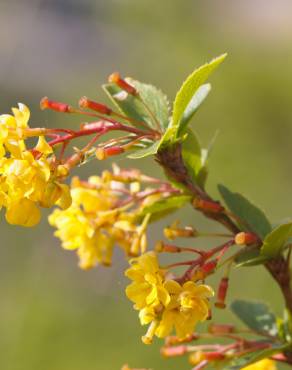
column 166, row 205
column 145, row 152
column 250, row 257
column 127, row 105
column 132, row 107
column 197, row 99
column 241, row 362
column 256, row 315
column 253, row 218
column 190, row 87
column 191, row 154
column 155, row 99
column 276, row 239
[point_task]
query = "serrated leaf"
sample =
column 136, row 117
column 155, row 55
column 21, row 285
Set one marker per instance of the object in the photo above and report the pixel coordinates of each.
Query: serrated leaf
column 253, row 218
column 155, row 99
column 276, row 239
column 194, row 104
column 250, row 257
column 256, row 315
column 190, row 86
column 166, row 204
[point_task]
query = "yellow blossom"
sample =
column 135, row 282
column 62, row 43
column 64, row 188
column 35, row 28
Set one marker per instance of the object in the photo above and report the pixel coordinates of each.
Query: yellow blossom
column 189, row 305
column 11, row 130
column 28, row 181
column 147, row 286
column 165, row 304
column 94, row 224
column 23, row 212
column 265, row 364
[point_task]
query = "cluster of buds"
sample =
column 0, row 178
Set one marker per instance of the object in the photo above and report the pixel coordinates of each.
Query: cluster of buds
column 137, row 133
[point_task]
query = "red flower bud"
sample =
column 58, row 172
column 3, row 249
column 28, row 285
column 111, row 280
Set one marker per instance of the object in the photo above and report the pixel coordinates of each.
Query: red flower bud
column 214, row 356
column 45, row 103
column 222, row 291
column 221, row 328
column 163, row 247
column 103, row 153
column 208, row 206
column 173, row 351
column 245, row 238
column 84, row 102
column 116, row 79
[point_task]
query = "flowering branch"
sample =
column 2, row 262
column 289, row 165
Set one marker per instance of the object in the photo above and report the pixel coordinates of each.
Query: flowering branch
column 115, row 209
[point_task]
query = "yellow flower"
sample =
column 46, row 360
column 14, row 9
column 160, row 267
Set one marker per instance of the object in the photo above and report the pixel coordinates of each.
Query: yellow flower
column 12, row 130
column 189, row 305
column 99, row 249
column 94, row 223
column 73, row 227
column 78, row 230
column 265, row 364
column 165, row 305
column 23, row 212
column 147, row 286
column 27, row 181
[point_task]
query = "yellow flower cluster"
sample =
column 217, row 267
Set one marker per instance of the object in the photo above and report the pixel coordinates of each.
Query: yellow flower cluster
column 165, row 304
column 27, row 180
column 265, row 364
column 95, row 222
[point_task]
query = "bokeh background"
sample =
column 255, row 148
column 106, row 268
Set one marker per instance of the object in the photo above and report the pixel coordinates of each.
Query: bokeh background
column 54, row 316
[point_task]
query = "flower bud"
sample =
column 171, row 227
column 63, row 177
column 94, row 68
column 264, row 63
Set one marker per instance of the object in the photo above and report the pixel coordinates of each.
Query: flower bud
column 116, row 79
column 207, row 206
column 173, row 340
column 214, row 356
column 58, row 107
column 221, row 328
column 245, row 238
column 222, row 291
column 163, row 247
column 103, row 153
column 173, row 351
column 84, row 102
column 172, row 232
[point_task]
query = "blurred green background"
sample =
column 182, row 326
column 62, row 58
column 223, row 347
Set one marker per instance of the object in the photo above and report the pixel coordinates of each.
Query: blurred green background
column 54, row 316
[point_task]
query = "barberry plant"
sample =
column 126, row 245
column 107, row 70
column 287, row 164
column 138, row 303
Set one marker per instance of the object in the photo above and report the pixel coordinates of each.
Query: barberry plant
column 114, row 209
